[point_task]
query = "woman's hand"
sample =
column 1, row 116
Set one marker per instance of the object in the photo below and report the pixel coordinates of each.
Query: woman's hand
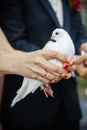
column 36, row 65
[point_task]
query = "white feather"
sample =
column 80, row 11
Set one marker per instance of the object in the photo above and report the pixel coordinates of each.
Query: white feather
column 63, row 44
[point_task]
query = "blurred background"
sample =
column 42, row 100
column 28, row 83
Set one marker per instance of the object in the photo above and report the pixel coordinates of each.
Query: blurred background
column 82, row 84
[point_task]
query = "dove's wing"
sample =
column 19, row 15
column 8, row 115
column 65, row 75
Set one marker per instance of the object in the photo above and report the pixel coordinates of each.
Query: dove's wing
column 28, row 86
column 68, row 48
column 63, row 44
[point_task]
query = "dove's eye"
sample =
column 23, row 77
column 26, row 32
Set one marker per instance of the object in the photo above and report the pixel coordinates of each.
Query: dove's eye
column 56, row 33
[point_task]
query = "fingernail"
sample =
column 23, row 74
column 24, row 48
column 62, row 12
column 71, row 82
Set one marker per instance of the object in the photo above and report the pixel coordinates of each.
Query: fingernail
column 54, row 81
column 66, row 65
column 64, row 75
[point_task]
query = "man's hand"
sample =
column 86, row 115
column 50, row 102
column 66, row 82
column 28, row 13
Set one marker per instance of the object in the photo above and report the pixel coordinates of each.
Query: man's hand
column 80, row 66
column 81, row 61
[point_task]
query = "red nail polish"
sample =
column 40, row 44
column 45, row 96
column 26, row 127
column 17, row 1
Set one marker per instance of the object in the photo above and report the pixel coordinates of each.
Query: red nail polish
column 64, row 75
column 66, row 65
column 53, row 81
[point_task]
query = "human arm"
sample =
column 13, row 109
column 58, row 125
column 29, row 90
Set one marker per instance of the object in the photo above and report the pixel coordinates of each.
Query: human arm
column 31, row 65
column 18, row 33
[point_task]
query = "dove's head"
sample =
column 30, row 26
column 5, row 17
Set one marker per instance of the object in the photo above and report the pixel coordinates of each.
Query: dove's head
column 64, row 41
column 58, row 33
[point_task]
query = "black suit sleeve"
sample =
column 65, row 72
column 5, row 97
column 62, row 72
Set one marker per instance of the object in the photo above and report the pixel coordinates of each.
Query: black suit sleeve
column 13, row 25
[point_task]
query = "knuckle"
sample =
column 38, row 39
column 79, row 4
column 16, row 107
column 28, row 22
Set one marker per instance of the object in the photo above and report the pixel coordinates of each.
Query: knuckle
column 51, row 77
column 37, row 60
column 34, row 76
column 55, row 54
column 48, row 82
column 39, row 52
column 55, row 69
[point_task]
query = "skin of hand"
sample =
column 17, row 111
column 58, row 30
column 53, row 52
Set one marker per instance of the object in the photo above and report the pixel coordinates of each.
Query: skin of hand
column 34, row 65
column 81, row 69
column 84, row 47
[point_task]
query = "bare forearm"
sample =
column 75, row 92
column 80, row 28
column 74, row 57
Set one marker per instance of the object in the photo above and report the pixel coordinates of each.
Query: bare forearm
column 4, row 44
column 32, row 65
column 6, row 55
column 9, row 62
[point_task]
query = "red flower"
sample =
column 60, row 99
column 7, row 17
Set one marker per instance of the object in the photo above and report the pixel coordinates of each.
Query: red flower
column 76, row 4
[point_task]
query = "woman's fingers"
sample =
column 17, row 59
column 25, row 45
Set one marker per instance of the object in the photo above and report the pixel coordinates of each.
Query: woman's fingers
column 48, row 65
column 49, row 75
column 38, row 65
column 50, row 54
column 47, row 78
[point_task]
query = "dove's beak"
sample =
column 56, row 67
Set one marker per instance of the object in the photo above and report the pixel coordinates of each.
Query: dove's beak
column 53, row 39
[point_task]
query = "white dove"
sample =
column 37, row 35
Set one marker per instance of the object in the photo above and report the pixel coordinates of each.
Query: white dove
column 61, row 42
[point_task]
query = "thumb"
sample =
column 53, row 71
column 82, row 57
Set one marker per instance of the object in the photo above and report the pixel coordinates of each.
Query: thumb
column 80, row 59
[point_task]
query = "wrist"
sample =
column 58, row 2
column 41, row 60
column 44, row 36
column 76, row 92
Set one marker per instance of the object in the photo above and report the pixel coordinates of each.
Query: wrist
column 8, row 62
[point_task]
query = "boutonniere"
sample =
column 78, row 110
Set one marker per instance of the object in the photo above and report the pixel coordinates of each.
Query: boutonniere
column 76, row 4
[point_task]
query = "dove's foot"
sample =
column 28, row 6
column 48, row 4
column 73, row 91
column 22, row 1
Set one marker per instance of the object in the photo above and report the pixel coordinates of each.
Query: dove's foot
column 47, row 90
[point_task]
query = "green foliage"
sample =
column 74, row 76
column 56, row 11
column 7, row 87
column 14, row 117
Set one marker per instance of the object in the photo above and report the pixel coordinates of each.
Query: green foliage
column 84, row 17
column 82, row 85
column 81, row 82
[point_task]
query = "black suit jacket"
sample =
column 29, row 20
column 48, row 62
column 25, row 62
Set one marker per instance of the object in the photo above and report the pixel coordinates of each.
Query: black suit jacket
column 28, row 25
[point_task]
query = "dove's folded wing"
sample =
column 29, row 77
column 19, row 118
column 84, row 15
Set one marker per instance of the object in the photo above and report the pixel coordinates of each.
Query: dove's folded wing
column 63, row 44
column 28, row 86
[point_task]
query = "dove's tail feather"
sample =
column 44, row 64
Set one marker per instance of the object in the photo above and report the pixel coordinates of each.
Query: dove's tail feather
column 28, row 86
